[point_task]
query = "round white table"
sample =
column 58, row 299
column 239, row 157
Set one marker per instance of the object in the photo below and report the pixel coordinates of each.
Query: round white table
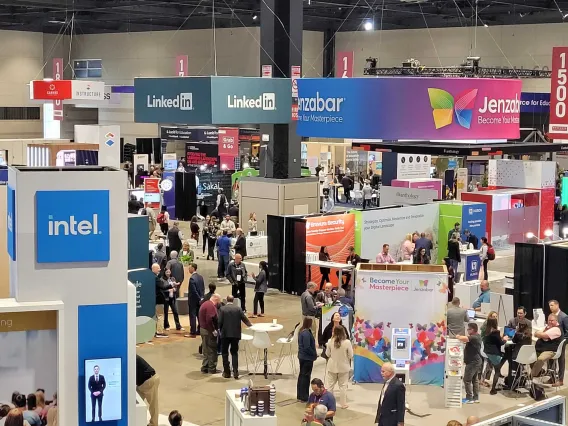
column 266, row 327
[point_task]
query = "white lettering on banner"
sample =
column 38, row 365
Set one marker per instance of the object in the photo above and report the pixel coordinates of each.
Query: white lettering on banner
column 266, row 102
column 494, row 106
column 318, row 104
column 210, row 186
column 183, row 101
column 72, row 227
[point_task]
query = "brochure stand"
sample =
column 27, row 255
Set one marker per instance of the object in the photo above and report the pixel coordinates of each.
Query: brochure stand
column 453, row 373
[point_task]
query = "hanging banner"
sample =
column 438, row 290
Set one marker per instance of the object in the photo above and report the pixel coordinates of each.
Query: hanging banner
column 209, row 185
column 461, row 182
column 182, row 62
column 58, row 75
column 409, row 108
column 50, row 90
column 558, row 128
column 267, row 71
column 152, row 192
column 296, row 74
column 344, row 64
column 228, row 142
column 199, row 154
column 380, row 295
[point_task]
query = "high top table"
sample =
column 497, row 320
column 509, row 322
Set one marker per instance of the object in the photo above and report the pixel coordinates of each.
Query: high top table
column 266, row 327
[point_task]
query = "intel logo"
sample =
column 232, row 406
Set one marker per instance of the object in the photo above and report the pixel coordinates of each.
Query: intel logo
column 319, row 104
column 72, row 227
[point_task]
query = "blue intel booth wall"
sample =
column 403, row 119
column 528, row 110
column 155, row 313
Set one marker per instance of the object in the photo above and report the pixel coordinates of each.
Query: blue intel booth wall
column 137, row 242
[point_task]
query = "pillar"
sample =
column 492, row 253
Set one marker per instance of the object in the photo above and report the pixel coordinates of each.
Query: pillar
column 281, row 26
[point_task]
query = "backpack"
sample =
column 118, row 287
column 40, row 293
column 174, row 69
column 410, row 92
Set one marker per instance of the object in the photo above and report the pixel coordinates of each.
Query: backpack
column 161, row 218
column 490, row 253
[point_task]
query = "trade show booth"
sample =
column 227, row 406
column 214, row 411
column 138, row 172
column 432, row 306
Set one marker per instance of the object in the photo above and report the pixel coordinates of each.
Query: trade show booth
column 434, row 184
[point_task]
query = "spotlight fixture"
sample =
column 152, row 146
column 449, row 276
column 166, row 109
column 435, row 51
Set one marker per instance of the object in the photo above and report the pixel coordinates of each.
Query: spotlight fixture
column 565, row 16
column 565, row 231
column 368, row 26
column 548, row 233
column 530, row 235
column 246, row 166
column 254, row 17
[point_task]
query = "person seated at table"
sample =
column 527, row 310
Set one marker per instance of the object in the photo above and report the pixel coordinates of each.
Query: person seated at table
column 328, row 331
column 521, row 318
column 342, row 297
column 352, row 259
column 324, row 257
column 384, row 256
column 523, row 336
column 547, row 344
column 421, row 258
column 484, row 296
column 492, row 343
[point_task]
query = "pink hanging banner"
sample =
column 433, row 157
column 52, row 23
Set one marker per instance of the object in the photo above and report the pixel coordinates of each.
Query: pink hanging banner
column 58, row 75
column 344, row 64
column 182, row 63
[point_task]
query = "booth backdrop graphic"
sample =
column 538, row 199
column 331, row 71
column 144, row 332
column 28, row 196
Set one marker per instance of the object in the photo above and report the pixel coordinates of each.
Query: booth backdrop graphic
column 409, row 108
column 380, row 295
column 145, row 282
column 337, row 232
column 209, row 185
column 390, row 226
column 199, row 154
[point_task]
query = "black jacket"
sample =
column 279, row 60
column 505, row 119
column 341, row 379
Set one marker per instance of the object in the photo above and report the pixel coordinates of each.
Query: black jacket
column 346, row 182
column 473, row 240
column 241, row 246
column 391, row 411
column 454, row 250
column 230, row 317
column 196, row 287
column 328, row 332
column 234, row 270
column 324, row 257
column 173, row 239
column 307, row 346
column 97, row 386
column 162, row 287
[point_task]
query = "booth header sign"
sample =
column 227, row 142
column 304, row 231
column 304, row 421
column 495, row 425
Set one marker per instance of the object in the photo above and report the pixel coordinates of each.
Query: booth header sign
column 409, row 108
column 558, row 127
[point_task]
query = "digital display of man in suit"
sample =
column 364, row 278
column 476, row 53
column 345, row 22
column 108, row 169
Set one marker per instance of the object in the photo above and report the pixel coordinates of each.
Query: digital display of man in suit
column 97, row 385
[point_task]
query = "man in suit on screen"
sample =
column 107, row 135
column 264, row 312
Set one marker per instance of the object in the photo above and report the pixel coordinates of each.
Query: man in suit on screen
column 97, row 386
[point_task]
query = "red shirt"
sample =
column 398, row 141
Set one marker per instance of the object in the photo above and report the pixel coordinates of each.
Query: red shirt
column 208, row 316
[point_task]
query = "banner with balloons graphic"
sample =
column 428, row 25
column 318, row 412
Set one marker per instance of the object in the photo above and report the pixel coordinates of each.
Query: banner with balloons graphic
column 391, row 299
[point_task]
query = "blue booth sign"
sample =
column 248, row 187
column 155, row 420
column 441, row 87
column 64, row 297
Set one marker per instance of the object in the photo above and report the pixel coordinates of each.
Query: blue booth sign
column 11, row 222
column 472, row 268
column 474, row 218
column 538, row 103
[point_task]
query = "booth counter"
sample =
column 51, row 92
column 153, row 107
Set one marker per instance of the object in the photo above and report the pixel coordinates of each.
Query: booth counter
column 470, row 265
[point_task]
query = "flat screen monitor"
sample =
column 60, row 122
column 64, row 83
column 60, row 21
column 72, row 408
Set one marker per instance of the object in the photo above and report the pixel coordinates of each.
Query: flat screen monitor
column 471, row 314
column 103, row 389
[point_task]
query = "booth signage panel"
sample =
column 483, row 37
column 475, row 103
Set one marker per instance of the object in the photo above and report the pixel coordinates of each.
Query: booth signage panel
column 537, row 103
column 172, row 100
column 72, row 226
column 344, row 64
column 88, row 90
column 58, row 75
column 152, row 192
column 409, row 108
column 238, row 100
column 145, row 282
column 11, row 222
column 474, row 218
column 182, row 64
column 228, row 141
column 472, row 268
column 411, row 166
column 558, row 127
column 390, row 195
column 209, row 185
column 198, row 154
column 51, row 90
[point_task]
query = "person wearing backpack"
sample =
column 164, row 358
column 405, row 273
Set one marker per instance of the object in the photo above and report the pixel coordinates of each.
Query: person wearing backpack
column 487, row 253
column 163, row 220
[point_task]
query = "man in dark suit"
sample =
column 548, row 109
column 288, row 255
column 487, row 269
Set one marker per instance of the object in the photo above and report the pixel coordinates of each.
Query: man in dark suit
column 241, row 244
column 391, row 409
column 196, row 293
column 230, row 317
column 423, row 243
column 97, row 386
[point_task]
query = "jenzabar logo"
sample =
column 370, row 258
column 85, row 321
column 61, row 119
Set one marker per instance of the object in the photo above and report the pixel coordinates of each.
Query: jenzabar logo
column 444, row 105
column 320, row 109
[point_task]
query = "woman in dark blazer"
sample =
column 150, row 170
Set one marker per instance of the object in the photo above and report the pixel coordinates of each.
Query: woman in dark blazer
column 328, row 331
column 260, row 288
column 307, row 355
column 324, row 257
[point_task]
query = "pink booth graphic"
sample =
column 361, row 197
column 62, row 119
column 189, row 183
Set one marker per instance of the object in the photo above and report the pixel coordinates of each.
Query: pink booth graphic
column 435, row 184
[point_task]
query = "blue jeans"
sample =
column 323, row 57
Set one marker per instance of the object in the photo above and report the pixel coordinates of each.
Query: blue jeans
column 223, row 263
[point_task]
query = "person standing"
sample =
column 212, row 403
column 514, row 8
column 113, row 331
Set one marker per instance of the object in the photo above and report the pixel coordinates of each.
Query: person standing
column 421, row 257
column 221, row 203
column 176, row 268
column 241, row 244
column 252, row 223
column 384, row 256
column 147, row 384
column 152, row 220
column 352, row 259
column 347, row 184
column 237, row 275
column 473, row 362
column 454, row 254
column 456, row 317
column 367, row 194
column 223, row 250
column 455, row 230
column 196, row 294
column 160, row 256
column 470, row 238
column 260, row 288
column 208, row 326
column 306, row 355
column 391, row 408
column 230, row 318
column 212, row 229
column 492, row 343
column 175, row 237
column 97, row 385
column 228, row 225
column 171, row 301
column 309, row 306
column 194, row 228
column 163, row 220
column 324, row 257
column 563, row 324
column 424, row 242
column 483, row 256
column 205, row 232
column 340, row 355
column 162, row 287
column 407, row 248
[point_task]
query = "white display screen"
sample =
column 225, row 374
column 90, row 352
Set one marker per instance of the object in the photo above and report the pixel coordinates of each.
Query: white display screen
column 103, row 389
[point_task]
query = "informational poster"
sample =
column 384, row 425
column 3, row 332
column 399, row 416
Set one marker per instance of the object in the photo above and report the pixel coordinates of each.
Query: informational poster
column 199, row 154
column 558, row 128
column 413, row 166
column 58, row 75
column 296, row 73
column 152, row 193
column 344, row 64
column 169, row 162
column 461, row 182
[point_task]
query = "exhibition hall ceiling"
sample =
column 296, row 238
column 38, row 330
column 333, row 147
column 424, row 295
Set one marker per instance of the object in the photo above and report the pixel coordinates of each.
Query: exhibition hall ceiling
column 100, row 16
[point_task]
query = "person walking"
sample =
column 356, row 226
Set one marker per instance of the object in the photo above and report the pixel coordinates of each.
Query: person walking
column 324, row 257
column 260, row 288
column 223, row 250
column 208, row 326
column 367, row 194
column 230, row 318
column 237, row 275
column 175, row 237
column 454, row 254
column 212, row 237
column 340, row 355
column 163, row 220
column 147, row 384
column 473, row 362
column 306, row 355
column 171, row 301
column 391, row 409
column 196, row 295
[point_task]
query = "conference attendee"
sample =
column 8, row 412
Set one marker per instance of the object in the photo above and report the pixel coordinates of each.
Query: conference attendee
column 342, row 297
column 212, row 289
column 309, row 306
column 41, row 408
column 523, row 336
column 205, row 232
column 147, row 385
column 391, row 409
column 230, row 318
column 241, row 244
column 340, row 355
column 306, row 355
column 28, row 410
column 456, row 318
column 471, row 420
column 547, row 344
column 96, row 385
column 196, row 295
column 194, row 228
column 152, row 220
column 328, row 331
column 423, row 242
column 175, row 418
column 451, row 276
column 320, row 395
column 384, row 256
column 484, row 296
column 160, row 256
column 223, row 254
column 484, row 257
column 367, row 193
column 208, row 326
column 407, row 248
column 260, row 288
column 176, row 268
column 316, row 417
column 162, row 287
column 521, row 318
column 252, row 223
column 471, row 238
column 454, row 254
column 14, row 418
column 234, row 210
column 186, row 255
column 491, row 314
column 455, row 230
column 453, row 423
column 492, row 343
column 228, row 225
column 326, row 296
column 52, row 416
column 473, row 363
column 353, row 259
column 347, row 184
column 237, row 275
column 163, row 220
column 324, row 257
column 563, row 324
column 421, row 258
column 175, row 237
column 171, row 301
column 222, row 204
column 133, row 205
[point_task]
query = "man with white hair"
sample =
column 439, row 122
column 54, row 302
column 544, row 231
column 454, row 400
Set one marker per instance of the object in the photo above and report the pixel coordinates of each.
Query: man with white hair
column 320, row 411
column 391, row 409
column 176, row 267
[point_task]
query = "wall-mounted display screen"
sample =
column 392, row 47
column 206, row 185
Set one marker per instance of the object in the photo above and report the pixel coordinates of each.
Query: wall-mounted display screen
column 103, row 389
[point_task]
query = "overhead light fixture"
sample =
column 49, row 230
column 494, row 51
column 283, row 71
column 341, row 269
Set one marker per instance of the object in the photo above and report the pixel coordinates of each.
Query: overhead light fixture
column 203, row 167
column 548, row 233
column 530, row 235
column 254, row 17
column 368, row 26
column 246, row 166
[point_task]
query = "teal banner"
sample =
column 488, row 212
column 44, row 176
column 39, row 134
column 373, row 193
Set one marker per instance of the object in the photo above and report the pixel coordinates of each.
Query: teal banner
column 145, row 282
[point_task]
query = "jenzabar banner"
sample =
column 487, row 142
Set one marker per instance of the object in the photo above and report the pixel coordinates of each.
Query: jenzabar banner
column 409, row 108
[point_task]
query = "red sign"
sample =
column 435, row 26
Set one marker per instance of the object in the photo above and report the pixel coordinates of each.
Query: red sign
column 558, row 128
column 58, row 75
column 296, row 74
column 267, row 71
column 51, row 90
column 228, row 142
column 294, row 112
column 344, row 64
column 152, row 192
column 182, row 63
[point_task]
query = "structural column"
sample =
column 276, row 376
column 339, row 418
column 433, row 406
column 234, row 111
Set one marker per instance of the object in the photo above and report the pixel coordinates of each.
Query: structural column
column 281, row 29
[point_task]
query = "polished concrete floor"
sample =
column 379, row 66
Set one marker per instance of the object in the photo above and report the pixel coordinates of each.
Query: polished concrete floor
column 201, row 398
